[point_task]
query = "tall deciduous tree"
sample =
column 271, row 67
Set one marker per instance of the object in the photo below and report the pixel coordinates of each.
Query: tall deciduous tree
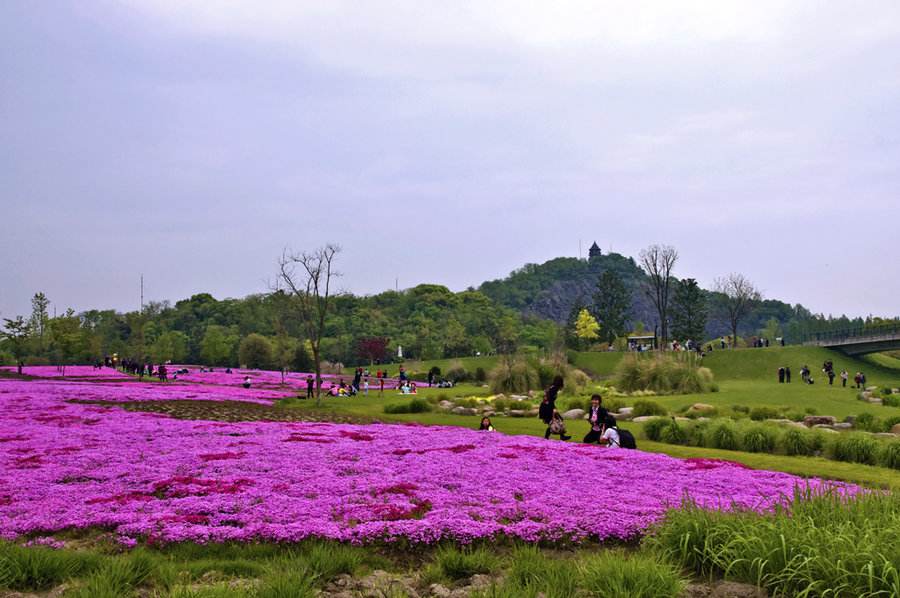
column 689, row 311
column 658, row 261
column 17, row 333
column 737, row 296
column 308, row 276
column 611, row 304
column 40, row 320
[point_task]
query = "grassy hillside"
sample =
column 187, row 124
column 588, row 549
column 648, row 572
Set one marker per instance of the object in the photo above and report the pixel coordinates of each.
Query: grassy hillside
column 763, row 364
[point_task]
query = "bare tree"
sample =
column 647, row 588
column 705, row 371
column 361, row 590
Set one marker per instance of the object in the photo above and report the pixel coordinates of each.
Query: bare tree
column 307, row 276
column 738, row 297
column 658, row 262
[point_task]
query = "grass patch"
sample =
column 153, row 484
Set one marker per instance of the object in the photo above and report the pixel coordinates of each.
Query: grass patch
column 816, row 546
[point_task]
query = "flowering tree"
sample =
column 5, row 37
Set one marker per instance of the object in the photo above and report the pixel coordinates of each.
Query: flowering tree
column 372, row 348
column 586, row 326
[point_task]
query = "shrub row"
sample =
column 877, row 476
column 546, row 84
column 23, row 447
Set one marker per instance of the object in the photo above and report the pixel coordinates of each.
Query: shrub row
column 756, row 437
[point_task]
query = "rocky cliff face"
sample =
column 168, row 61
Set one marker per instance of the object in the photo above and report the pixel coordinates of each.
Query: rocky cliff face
column 550, row 290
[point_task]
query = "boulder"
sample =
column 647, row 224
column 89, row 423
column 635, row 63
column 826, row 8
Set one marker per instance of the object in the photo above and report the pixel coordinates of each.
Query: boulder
column 842, row 426
column 516, row 413
column 886, row 435
column 702, row 407
column 533, row 412
column 895, row 429
column 464, row 411
column 784, row 422
column 625, row 411
column 573, row 414
column 645, row 418
column 813, row 420
column 518, row 397
column 682, row 419
column 439, row 591
column 876, row 401
column 871, row 388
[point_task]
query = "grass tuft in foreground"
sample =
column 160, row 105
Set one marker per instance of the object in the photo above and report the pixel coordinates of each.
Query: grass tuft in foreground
column 824, row 545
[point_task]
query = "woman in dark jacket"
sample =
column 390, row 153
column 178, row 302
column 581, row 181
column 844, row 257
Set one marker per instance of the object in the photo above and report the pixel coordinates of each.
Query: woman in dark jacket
column 547, row 411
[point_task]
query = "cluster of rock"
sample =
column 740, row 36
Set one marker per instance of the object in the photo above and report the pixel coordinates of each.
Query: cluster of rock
column 525, row 408
column 868, row 395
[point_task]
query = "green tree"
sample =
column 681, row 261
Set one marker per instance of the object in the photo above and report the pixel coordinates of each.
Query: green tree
column 17, row 335
column 40, row 320
column 284, row 352
column 66, row 339
column 772, row 330
column 255, row 352
column 586, row 327
column 169, row 346
column 217, row 347
column 612, row 301
column 689, row 311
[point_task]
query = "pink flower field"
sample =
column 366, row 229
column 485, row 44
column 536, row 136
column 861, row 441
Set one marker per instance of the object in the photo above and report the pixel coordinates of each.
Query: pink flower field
column 148, row 477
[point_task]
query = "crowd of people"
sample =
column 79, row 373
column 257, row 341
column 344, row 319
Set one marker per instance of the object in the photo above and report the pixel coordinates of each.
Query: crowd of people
column 784, row 375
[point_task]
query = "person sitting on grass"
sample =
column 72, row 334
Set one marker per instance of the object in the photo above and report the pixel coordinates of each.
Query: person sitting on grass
column 610, row 436
column 596, row 417
column 246, row 382
column 412, row 388
column 486, row 425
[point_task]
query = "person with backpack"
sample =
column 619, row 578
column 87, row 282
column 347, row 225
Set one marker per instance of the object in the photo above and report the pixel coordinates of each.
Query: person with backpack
column 549, row 415
column 610, row 437
column 596, row 417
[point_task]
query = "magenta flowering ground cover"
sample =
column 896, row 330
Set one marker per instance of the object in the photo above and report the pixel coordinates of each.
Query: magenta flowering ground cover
column 148, row 477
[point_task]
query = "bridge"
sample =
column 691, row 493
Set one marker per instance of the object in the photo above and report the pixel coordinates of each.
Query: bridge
column 858, row 341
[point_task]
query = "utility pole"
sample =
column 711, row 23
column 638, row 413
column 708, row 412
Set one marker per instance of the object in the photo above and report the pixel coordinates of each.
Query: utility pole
column 142, row 293
column 397, row 284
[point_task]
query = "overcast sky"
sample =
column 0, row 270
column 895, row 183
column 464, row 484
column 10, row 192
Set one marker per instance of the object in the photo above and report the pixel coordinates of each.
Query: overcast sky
column 446, row 142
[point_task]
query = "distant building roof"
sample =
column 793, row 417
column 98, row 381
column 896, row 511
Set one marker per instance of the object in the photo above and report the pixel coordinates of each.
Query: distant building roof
column 594, row 251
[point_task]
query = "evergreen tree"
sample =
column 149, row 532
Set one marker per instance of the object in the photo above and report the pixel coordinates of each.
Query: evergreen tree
column 612, row 302
column 689, row 311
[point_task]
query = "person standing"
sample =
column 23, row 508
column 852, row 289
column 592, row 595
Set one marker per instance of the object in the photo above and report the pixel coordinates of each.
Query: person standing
column 548, row 413
column 781, row 375
column 366, row 385
column 787, row 374
column 831, row 377
column 310, row 387
column 844, row 376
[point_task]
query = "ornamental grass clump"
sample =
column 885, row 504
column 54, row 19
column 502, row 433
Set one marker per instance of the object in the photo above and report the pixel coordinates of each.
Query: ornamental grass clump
column 889, row 456
column 723, row 435
column 664, row 373
column 796, row 442
column 758, row 438
column 416, row 405
column 644, row 407
column 855, row 448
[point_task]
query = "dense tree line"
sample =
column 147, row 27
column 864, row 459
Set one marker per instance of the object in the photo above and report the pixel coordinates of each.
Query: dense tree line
column 428, row 321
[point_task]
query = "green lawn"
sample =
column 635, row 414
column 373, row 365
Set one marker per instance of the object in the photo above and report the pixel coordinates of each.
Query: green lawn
column 746, row 377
